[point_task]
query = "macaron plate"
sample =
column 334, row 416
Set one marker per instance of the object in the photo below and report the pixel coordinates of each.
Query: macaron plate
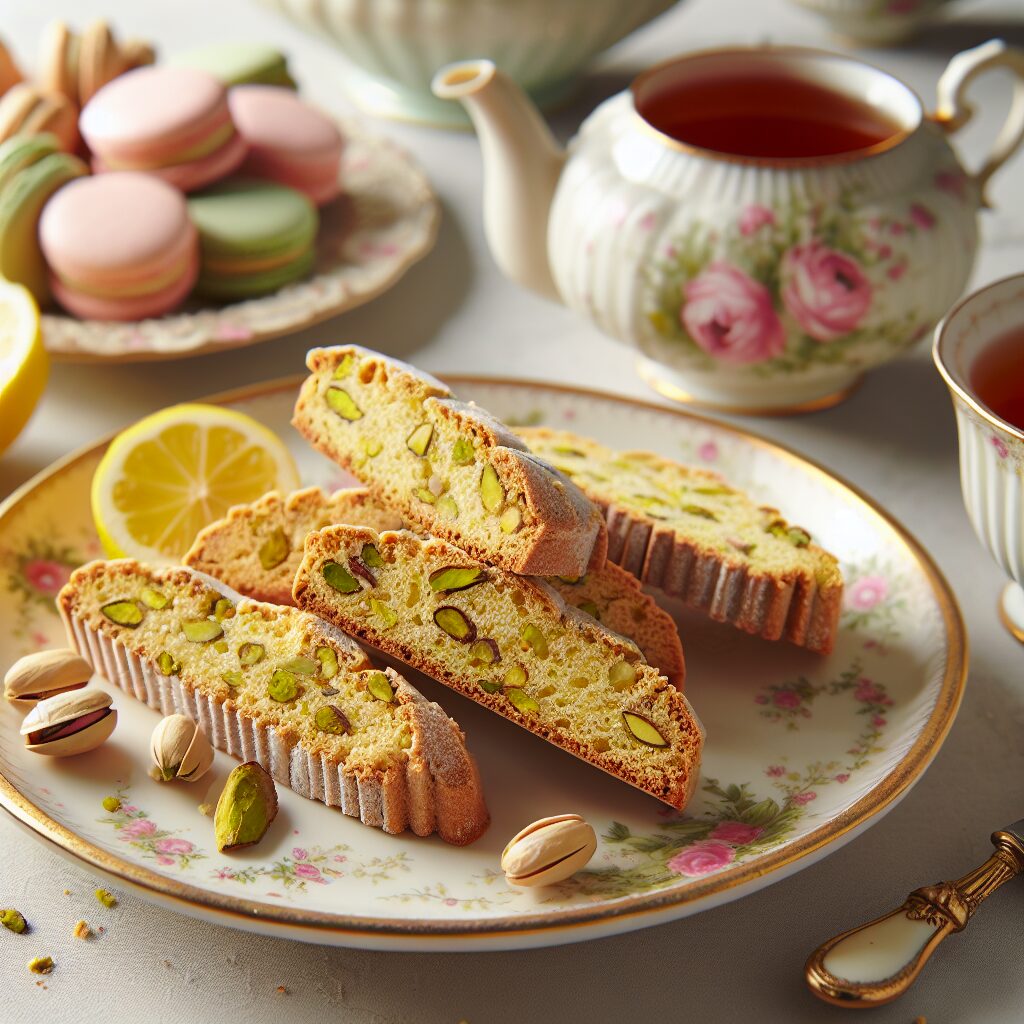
column 384, row 221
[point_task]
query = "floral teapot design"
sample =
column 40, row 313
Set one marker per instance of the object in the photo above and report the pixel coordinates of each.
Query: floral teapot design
column 751, row 283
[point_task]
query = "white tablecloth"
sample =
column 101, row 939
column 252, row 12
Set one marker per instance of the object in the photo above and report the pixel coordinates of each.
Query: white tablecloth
column 895, row 438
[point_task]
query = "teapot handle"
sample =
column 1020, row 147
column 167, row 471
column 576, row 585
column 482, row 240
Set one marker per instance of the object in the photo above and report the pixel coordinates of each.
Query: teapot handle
column 953, row 110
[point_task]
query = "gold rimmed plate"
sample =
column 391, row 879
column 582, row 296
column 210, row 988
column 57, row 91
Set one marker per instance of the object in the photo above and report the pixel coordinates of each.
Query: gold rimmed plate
column 803, row 752
column 385, row 219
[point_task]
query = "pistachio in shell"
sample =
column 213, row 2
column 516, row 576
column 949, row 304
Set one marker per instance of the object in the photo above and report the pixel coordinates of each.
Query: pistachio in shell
column 180, row 749
column 247, row 806
column 549, row 850
column 69, row 723
column 45, row 674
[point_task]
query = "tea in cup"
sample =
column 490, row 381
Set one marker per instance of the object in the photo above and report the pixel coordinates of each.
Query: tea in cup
column 979, row 350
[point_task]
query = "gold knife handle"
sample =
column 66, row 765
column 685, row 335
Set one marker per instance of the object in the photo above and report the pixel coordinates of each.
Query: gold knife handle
column 878, row 961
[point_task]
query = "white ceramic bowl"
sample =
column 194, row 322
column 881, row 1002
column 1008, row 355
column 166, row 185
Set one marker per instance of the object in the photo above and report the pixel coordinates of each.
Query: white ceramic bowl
column 991, row 450
column 395, row 46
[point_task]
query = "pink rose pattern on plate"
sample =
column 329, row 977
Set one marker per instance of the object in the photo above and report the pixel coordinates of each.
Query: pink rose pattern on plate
column 785, row 289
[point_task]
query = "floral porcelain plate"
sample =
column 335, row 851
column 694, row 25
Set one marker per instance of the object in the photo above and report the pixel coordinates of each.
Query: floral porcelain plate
column 384, row 221
column 802, row 752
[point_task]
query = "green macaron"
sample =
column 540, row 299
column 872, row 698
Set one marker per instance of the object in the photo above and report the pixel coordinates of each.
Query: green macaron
column 23, row 150
column 254, row 237
column 239, row 63
column 22, row 199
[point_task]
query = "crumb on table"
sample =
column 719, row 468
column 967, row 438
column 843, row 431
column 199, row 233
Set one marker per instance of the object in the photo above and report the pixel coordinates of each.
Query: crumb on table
column 106, row 898
column 13, row 920
column 82, row 931
column 41, row 965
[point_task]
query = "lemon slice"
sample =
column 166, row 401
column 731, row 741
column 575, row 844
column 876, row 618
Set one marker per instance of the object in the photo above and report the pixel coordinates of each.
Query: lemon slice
column 24, row 365
column 165, row 478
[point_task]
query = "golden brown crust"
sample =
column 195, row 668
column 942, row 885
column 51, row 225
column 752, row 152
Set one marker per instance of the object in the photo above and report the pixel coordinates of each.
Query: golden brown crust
column 558, row 531
column 669, row 774
column 794, row 603
column 243, row 548
column 432, row 786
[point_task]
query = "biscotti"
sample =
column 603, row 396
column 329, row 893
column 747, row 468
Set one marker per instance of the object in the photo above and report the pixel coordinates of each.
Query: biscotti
column 688, row 533
column 450, row 469
column 275, row 685
column 511, row 644
column 256, row 549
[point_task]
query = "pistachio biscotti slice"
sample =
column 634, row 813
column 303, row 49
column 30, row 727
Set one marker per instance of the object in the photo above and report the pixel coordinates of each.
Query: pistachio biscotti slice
column 277, row 686
column 511, row 644
column 256, row 549
column 688, row 533
column 451, row 469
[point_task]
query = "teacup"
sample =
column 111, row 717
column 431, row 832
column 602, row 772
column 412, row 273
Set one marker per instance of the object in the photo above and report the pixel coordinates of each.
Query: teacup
column 991, row 448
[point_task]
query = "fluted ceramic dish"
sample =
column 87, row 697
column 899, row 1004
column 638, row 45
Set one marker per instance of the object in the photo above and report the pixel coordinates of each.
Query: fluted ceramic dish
column 394, row 48
column 803, row 752
column 384, row 221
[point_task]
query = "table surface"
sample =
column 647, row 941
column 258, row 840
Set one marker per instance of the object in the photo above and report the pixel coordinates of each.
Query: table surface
column 895, row 438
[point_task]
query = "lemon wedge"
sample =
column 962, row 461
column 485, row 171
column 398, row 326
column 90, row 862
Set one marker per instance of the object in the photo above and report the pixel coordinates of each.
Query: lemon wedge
column 24, row 365
column 169, row 475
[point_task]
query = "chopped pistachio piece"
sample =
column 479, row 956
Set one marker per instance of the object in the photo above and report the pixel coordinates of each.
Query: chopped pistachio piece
column 492, row 494
column 510, row 520
column 106, row 898
column 516, row 676
column 425, row 494
column 341, row 402
column 622, row 675
column 371, row 556
column 372, row 448
column 380, row 686
column 344, row 368
column 124, row 613
column 202, row 631
column 223, row 609
column 591, row 609
column 489, row 687
column 484, row 652
column 152, row 598
column 358, row 568
column 111, row 804
column 328, row 662
column 247, row 806
column 221, row 647
column 447, row 506
column 462, row 451
column 522, row 701
column 452, row 578
column 274, row 550
column 166, row 665
column 301, row 666
column 250, row 653
column 233, row 678
column 533, row 639
column 419, row 440
column 643, row 729
column 283, row 686
column 455, row 623
column 41, row 964
column 387, row 615
column 699, row 511
column 339, row 578
column 13, row 920
column 330, row 718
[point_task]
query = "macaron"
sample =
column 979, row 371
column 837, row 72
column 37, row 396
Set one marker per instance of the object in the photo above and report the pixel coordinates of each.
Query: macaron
column 32, row 168
column 254, row 237
column 120, row 246
column 24, row 108
column 170, row 122
column 239, row 63
column 289, row 141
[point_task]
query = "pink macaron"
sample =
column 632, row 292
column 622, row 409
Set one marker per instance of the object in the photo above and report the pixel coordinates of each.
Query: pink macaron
column 173, row 122
column 289, row 141
column 120, row 246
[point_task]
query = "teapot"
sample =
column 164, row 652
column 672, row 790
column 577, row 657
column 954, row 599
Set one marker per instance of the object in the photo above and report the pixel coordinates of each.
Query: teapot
column 764, row 280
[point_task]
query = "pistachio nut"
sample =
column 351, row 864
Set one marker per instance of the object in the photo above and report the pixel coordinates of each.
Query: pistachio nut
column 247, row 806
column 550, row 850
column 180, row 749
column 45, row 674
column 69, row 723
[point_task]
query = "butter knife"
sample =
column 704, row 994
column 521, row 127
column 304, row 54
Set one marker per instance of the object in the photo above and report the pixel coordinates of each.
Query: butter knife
column 877, row 962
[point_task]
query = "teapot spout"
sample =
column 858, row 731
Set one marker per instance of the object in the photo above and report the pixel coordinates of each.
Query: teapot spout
column 522, row 163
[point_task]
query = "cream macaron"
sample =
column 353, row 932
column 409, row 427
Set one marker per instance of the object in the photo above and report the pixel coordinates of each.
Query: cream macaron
column 120, row 246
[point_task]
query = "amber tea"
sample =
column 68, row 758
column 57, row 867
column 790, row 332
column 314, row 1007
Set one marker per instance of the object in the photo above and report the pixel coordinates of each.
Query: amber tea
column 997, row 376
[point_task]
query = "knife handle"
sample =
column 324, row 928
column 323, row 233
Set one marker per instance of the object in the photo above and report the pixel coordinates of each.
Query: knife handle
column 875, row 963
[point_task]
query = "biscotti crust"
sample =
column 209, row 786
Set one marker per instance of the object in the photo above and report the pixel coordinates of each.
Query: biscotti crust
column 256, row 549
column 668, row 773
column 800, row 603
column 430, row 785
column 426, row 455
